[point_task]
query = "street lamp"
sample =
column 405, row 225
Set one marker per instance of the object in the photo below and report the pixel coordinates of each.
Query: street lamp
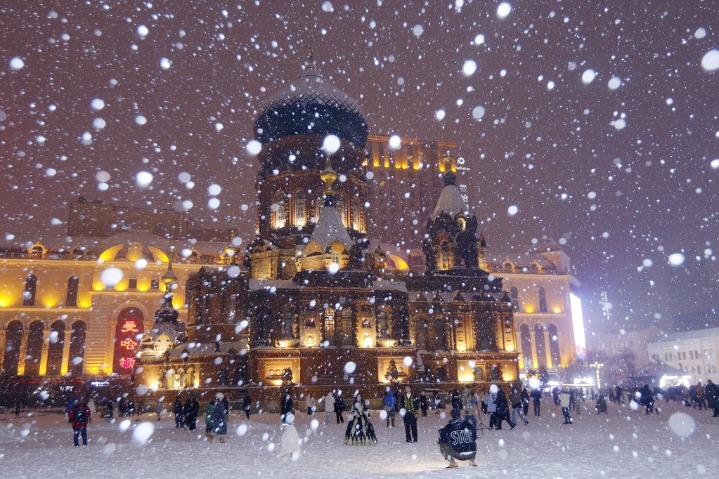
column 597, row 366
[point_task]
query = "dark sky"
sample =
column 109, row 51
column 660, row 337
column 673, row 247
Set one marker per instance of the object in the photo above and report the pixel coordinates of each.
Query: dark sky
column 618, row 169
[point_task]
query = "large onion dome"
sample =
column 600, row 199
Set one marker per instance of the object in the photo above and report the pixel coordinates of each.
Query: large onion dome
column 311, row 105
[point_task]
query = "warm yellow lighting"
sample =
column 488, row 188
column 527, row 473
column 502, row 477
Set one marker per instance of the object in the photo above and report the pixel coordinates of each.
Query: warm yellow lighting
column 529, row 309
column 49, row 301
column 85, row 303
column 122, row 286
column 143, row 284
column 110, row 253
column 6, row 300
column 399, row 263
column 557, row 310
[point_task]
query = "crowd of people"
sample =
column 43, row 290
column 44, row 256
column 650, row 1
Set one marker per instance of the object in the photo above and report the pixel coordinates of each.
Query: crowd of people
column 457, row 440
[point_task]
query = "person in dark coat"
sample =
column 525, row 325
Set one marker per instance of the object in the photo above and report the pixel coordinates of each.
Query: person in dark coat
column 390, row 404
column 179, row 411
column 456, row 400
column 423, row 404
column 286, row 406
column 410, row 414
column 339, row 407
column 503, row 410
column 192, row 410
column 219, row 418
column 458, row 440
column 646, row 399
column 711, row 393
column 525, row 401
column 601, row 404
column 79, row 416
column 536, row 400
column 247, row 404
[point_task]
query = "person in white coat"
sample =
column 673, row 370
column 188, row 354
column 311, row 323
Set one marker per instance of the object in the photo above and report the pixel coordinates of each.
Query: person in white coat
column 290, row 440
column 564, row 402
column 329, row 407
column 92, row 407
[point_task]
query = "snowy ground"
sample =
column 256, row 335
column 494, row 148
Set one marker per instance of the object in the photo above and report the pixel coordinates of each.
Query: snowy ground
column 624, row 443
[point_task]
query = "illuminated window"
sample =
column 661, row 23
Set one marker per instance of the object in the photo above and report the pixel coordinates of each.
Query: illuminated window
column 329, row 333
column 55, row 348
column 514, row 295
column 279, row 211
column 300, row 208
column 542, row 300
column 340, row 207
column 28, row 297
column 72, row 288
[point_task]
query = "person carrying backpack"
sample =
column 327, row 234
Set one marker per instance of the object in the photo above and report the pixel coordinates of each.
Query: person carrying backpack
column 79, row 416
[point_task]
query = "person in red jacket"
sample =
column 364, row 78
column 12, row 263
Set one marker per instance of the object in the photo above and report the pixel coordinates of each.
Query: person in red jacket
column 79, row 417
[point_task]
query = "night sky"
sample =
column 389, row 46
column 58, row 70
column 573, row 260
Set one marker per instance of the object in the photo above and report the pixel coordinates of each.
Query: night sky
column 599, row 121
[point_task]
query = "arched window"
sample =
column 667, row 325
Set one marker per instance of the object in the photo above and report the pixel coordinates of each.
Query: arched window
column 542, row 300
column 525, row 339
column 440, row 336
column 356, row 216
column 73, row 283
column 346, row 327
column 55, row 348
column 514, row 294
column 539, row 342
column 34, row 348
column 508, row 267
column 13, row 343
column 329, row 332
column 300, row 208
column 422, row 333
column 28, row 297
column 554, row 350
column 279, row 211
column 77, row 347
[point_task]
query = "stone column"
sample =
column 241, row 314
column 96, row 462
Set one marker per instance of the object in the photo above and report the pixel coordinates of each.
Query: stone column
column 23, row 352
column 64, row 367
column 534, row 360
column 44, row 352
column 547, row 348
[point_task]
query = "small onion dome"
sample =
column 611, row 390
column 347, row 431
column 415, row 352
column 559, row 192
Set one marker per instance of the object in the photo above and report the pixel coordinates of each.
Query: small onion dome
column 311, row 105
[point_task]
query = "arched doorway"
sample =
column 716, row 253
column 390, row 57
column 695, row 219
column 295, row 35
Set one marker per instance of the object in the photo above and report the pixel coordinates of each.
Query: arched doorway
column 34, row 348
column 13, row 343
column 77, row 348
column 55, row 348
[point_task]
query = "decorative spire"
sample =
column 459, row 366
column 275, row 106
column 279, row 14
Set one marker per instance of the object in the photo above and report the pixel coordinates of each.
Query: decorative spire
column 310, row 65
column 328, row 175
column 169, row 278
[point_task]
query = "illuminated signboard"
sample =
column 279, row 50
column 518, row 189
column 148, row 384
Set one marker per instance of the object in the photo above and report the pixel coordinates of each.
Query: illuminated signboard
column 580, row 341
column 127, row 338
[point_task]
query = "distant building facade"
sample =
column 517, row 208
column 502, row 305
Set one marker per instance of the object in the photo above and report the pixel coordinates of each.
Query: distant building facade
column 694, row 352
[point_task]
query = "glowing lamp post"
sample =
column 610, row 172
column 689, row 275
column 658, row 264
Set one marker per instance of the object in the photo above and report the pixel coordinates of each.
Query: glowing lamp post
column 597, row 366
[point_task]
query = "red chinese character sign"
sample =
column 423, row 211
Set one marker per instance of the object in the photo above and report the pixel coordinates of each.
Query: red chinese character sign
column 127, row 339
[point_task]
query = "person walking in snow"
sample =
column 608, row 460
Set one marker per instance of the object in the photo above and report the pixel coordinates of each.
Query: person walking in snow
column 564, row 402
column 490, row 406
column 79, row 416
column 711, row 392
column 192, row 410
column 247, row 404
column 179, row 411
column 515, row 399
column 470, row 405
column 219, row 418
column 290, row 440
column 503, row 409
column 286, row 406
column 339, row 407
column 536, row 395
column 209, row 424
column 525, row 401
column 310, row 404
column 329, row 407
column 390, row 404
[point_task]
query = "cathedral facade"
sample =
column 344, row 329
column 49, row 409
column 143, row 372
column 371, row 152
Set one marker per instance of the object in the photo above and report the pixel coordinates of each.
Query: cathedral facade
column 312, row 300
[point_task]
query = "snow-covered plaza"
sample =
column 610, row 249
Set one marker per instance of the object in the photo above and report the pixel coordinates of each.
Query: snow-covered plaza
column 677, row 442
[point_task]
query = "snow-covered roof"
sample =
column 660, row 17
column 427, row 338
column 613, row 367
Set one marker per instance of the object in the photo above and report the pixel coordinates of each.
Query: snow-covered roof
column 329, row 228
column 450, row 201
